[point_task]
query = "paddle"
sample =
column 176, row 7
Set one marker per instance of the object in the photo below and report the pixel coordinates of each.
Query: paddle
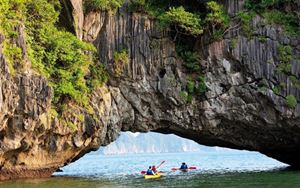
column 190, row 168
column 161, row 163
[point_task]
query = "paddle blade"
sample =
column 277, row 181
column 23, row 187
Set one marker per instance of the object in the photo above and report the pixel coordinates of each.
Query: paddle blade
column 174, row 168
column 160, row 164
column 143, row 172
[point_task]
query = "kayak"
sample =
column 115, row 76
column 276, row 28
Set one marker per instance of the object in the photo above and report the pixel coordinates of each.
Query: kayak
column 157, row 175
column 184, row 170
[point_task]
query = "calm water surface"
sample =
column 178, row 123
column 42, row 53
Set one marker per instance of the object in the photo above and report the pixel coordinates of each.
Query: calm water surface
column 215, row 169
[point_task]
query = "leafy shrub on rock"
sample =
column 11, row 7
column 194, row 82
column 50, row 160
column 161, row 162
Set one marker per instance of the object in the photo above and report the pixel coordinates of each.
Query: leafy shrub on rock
column 106, row 5
column 291, row 101
column 217, row 19
column 121, row 58
column 180, row 18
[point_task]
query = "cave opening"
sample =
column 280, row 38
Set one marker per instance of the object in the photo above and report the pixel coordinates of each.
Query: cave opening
column 132, row 153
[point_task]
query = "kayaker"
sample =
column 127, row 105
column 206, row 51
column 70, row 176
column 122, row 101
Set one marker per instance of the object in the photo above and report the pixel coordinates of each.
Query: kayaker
column 154, row 169
column 183, row 166
column 150, row 171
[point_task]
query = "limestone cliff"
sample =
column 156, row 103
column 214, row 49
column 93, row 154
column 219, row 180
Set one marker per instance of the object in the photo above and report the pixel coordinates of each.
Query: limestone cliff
column 239, row 109
column 33, row 142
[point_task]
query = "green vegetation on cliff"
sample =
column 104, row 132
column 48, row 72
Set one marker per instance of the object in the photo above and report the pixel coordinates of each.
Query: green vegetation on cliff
column 186, row 21
column 59, row 56
column 179, row 17
column 291, row 101
column 189, row 18
column 183, row 17
column 280, row 12
column 107, row 5
column 191, row 59
column 121, row 58
column 216, row 20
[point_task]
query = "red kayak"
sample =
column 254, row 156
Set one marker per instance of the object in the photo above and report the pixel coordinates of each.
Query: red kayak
column 185, row 170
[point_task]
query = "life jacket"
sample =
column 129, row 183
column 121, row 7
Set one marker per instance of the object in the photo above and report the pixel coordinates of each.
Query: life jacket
column 150, row 172
column 154, row 169
column 184, row 167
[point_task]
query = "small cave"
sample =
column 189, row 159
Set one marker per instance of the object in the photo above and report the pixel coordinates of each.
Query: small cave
column 162, row 73
column 224, row 87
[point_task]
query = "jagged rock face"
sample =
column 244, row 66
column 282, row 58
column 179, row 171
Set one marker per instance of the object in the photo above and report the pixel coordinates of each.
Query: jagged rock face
column 234, row 112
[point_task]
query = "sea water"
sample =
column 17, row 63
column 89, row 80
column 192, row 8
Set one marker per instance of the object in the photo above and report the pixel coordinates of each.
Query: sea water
column 214, row 169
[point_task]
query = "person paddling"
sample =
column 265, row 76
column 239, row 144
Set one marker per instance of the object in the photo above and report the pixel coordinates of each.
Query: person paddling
column 154, row 169
column 183, row 166
column 150, row 171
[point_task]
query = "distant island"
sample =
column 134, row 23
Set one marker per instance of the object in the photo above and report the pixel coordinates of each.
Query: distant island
column 152, row 142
